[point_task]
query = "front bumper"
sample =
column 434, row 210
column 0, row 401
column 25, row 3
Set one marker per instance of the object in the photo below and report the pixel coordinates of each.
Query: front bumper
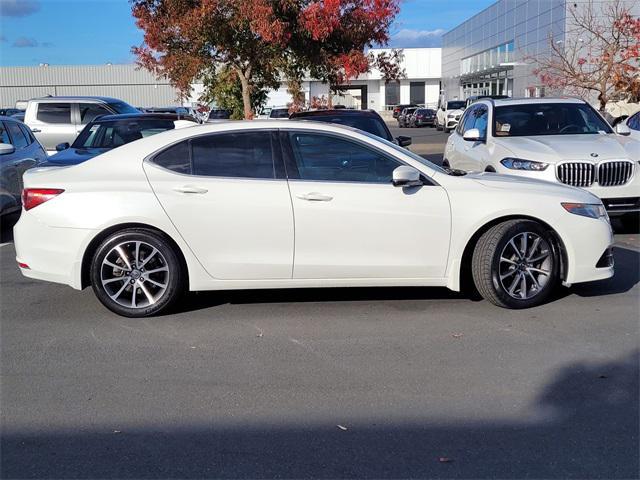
column 588, row 244
column 425, row 121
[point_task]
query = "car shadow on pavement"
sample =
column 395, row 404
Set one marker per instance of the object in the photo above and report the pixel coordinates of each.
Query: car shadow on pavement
column 6, row 227
column 206, row 299
column 583, row 424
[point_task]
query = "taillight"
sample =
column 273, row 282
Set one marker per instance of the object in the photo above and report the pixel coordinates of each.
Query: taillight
column 32, row 197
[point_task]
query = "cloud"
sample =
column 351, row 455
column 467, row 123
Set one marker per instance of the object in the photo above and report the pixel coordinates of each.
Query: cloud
column 18, row 8
column 24, row 42
column 407, row 38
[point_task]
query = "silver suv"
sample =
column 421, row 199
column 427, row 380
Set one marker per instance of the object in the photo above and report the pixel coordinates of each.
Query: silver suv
column 56, row 120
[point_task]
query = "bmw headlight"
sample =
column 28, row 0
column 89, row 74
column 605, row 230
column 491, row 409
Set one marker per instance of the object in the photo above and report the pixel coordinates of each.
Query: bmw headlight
column 591, row 210
column 521, row 164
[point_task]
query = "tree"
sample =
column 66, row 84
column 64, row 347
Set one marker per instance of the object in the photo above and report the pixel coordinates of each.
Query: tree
column 261, row 41
column 223, row 88
column 598, row 55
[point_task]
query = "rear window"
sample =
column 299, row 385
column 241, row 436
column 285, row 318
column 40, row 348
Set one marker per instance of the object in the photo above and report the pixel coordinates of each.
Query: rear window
column 122, row 107
column 54, row 112
column 369, row 124
column 455, row 105
column 112, row 134
column 279, row 113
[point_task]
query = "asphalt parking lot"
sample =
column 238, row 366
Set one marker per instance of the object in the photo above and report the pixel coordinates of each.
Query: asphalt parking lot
column 340, row 383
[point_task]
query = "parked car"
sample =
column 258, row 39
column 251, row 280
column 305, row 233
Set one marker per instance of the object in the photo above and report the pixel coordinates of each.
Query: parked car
column 366, row 120
column 633, row 122
column 279, row 113
column 9, row 112
column 18, row 116
column 216, row 208
column 397, row 110
column 423, row 117
column 19, row 151
column 56, row 120
column 404, row 119
column 448, row 115
column 112, row 131
column 558, row 140
column 219, row 114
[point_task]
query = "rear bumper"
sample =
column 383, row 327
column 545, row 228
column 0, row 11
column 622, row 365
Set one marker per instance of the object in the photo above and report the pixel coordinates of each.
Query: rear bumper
column 51, row 253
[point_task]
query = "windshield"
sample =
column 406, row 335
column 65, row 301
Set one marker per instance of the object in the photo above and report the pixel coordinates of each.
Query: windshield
column 455, row 105
column 369, row 124
column 122, row 107
column 112, row 134
column 279, row 113
column 547, row 119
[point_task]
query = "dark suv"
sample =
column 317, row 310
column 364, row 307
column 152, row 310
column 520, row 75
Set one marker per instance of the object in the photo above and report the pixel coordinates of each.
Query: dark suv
column 366, row 120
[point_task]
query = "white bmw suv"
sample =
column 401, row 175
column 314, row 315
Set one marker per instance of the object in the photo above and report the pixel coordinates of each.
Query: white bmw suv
column 559, row 140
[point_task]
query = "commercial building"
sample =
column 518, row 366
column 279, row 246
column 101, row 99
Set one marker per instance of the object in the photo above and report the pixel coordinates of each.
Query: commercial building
column 491, row 53
column 420, row 85
column 138, row 87
column 135, row 86
column 485, row 55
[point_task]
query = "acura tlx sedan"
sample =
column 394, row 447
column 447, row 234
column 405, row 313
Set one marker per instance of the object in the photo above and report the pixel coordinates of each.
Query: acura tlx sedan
column 280, row 204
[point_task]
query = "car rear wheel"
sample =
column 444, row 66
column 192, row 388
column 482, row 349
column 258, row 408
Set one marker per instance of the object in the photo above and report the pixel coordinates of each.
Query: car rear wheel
column 136, row 273
column 515, row 264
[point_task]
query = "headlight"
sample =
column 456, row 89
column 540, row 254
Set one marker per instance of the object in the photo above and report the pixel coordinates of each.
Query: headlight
column 451, row 115
column 520, row 164
column 591, row 210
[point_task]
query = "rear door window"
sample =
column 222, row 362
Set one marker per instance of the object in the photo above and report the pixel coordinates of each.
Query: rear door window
column 54, row 113
column 17, row 137
column 4, row 135
column 239, row 155
column 89, row 111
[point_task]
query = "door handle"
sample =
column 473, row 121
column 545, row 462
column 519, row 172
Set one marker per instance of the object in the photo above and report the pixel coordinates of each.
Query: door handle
column 190, row 189
column 315, row 197
column 36, row 130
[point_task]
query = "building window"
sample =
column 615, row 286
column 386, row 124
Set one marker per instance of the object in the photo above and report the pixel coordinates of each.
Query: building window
column 392, row 93
column 416, row 93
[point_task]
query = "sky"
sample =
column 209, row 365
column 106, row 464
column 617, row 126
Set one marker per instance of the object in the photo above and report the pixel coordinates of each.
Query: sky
column 94, row 32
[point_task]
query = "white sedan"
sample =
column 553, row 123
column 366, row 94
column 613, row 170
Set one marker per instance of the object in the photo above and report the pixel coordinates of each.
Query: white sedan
column 277, row 204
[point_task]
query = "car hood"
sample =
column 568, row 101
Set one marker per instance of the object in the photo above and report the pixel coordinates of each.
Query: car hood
column 519, row 184
column 454, row 112
column 557, row 148
column 73, row 156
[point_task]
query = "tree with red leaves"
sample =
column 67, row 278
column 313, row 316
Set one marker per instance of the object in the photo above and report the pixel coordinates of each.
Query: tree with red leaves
column 262, row 41
column 600, row 53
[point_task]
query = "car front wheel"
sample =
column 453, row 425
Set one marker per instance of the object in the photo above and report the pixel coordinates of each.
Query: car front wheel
column 515, row 264
column 136, row 273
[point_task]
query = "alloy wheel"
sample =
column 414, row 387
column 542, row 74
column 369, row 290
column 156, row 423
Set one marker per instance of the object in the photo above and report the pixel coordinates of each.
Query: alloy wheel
column 526, row 265
column 134, row 274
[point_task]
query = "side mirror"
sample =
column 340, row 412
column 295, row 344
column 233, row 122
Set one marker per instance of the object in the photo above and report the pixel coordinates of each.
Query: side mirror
column 6, row 148
column 622, row 129
column 472, row 135
column 403, row 141
column 62, row 146
column 406, row 176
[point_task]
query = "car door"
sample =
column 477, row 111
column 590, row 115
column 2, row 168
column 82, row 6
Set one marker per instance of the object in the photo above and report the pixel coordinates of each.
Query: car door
column 9, row 181
column 227, row 195
column 351, row 222
column 53, row 124
column 634, row 125
column 22, row 159
column 473, row 156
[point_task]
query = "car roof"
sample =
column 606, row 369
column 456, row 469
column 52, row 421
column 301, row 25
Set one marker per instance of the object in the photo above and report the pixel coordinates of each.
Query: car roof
column 6, row 117
column 137, row 116
column 334, row 112
column 77, row 99
column 524, row 101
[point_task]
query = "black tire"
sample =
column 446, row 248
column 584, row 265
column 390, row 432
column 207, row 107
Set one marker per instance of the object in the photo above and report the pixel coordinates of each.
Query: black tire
column 147, row 240
column 486, row 265
column 447, row 130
